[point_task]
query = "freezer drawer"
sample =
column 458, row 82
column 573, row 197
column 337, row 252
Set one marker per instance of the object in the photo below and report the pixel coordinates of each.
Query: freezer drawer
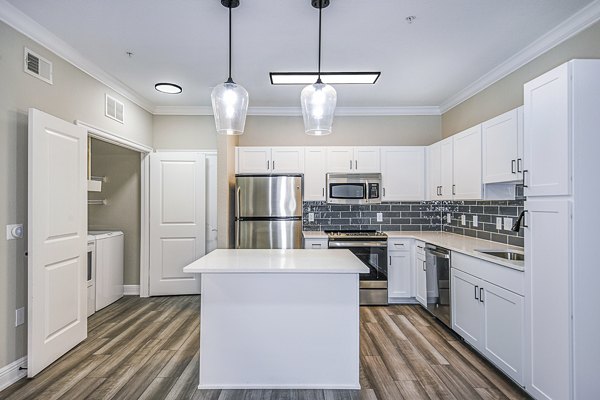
column 268, row 196
column 282, row 234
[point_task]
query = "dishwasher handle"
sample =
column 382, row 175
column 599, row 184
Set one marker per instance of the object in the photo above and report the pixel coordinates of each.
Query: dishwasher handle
column 437, row 253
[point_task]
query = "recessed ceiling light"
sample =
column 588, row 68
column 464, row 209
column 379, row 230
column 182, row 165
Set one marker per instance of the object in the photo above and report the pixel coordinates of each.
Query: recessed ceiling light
column 307, row 78
column 170, row 88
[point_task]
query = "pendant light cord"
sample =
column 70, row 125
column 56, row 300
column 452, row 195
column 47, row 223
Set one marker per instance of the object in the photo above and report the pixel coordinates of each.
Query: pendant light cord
column 320, row 10
column 230, row 80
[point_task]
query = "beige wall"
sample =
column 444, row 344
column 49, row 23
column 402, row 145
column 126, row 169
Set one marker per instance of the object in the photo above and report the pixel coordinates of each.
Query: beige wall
column 507, row 93
column 376, row 131
column 184, row 132
column 74, row 95
column 122, row 191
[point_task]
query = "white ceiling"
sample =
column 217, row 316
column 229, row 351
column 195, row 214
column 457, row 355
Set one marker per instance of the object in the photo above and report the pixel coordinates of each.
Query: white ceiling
column 451, row 44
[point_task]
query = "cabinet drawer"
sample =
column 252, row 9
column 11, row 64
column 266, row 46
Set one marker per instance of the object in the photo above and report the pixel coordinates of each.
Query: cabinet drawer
column 507, row 278
column 319, row 244
column 399, row 244
column 420, row 248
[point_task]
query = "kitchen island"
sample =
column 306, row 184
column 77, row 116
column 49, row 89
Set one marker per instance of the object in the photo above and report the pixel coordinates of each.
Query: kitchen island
column 275, row 319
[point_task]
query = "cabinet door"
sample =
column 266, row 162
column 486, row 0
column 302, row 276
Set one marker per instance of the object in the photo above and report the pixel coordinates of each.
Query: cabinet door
column 403, row 173
column 314, row 173
column 446, row 168
column 500, row 139
column 421, row 283
column 467, row 165
column 547, row 134
column 253, row 160
column 467, row 310
column 504, row 330
column 287, row 160
column 340, row 159
column 399, row 274
column 367, row 159
column 434, row 171
column 547, row 298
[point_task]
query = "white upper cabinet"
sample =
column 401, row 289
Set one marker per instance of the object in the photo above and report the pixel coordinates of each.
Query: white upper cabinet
column 340, row 159
column 467, row 165
column 547, row 134
column 434, row 171
column 253, row 160
column 446, row 168
column 403, row 172
column 287, row 159
column 315, row 173
column 502, row 139
column 266, row 160
column 367, row 159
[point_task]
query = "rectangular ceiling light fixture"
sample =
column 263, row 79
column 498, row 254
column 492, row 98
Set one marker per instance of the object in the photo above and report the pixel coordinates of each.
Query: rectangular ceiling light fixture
column 332, row 78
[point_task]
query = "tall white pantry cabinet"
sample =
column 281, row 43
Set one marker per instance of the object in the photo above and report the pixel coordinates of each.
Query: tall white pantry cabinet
column 562, row 266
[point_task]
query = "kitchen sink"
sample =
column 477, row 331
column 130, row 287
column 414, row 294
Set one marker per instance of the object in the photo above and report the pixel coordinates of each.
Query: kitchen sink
column 507, row 255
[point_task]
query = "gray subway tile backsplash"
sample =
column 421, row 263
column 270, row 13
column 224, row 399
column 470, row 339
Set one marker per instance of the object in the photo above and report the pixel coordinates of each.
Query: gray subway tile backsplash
column 419, row 216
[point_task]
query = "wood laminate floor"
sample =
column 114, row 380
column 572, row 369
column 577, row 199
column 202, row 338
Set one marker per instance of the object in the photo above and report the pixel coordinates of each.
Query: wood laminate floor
column 148, row 349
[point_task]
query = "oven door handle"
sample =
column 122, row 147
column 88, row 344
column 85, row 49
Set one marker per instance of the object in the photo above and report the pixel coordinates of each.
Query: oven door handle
column 356, row 244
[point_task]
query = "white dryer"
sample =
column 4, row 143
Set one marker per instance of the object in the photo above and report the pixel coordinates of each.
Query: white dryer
column 109, row 267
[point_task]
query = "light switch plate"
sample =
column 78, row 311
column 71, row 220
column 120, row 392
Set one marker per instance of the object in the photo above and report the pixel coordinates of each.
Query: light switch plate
column 499, row 223
column 379, row 217
column 311, row 217
column 20, row 316
column 449, row 218
column 508, row 222
column 14, row 231
column 463, row 219
column 475, row 221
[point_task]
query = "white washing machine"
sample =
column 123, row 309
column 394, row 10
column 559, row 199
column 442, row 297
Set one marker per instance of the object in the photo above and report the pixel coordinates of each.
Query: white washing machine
column 109, row 267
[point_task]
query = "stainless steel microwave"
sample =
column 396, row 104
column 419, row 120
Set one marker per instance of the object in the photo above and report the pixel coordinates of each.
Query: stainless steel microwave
column 354, row 188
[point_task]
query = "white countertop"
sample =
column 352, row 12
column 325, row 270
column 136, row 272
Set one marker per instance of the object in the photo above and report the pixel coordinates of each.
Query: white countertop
column 278, row 261
column 451, row 241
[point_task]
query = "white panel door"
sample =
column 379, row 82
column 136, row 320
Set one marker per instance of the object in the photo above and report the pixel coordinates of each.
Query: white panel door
column 177, row 220
column 253, row 160
column 504, row 330
column 446, row 168
column 57, row 243
column 340, row 159
column 547, row 134
column 367, row 159
column 500, row 142
column 467, row 165
column 212, row 208
column 467, row 309
column 547, row 298
column 403, row 173
column 399, row 274
column 287, row 160
column 434, row 171
column 315, row 173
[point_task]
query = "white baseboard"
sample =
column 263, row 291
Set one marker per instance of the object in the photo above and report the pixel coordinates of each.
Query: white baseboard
column 11, row 373
column 131, row 290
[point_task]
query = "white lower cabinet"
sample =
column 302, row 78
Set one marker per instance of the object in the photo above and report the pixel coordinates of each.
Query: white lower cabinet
column 420, row 274
column 400, row 274
column 490, row 318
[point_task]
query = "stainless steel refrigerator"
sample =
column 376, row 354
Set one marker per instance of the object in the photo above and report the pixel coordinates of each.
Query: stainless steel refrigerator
column 268, row 212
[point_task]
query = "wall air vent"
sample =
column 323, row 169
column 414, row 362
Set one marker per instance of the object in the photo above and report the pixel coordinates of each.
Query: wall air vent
column 38, row 66
column 114, row 109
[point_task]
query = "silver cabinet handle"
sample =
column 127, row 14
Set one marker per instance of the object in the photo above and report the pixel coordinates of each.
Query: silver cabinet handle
column 481, row 295
column 519, row 165
column 355, row 164
column 524, row 172
column 350, row 164
column 424, row 266
column 267, row 164
column 476, row 287
column 390, row 260
column 323, row 192
column 453, row 190
column 383, row 192
column 513, row 165
column 523, row 224
column 441, row 190
column 273, row 165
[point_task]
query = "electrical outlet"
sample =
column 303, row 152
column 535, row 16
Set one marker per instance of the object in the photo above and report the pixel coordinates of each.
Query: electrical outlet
column 14, row 231
column 499, row 223
column 311, row 217
column 449, row 218
column 379, row 217
column 508, row 223
column 463, row 219
column 475, row 221
column 20, row 316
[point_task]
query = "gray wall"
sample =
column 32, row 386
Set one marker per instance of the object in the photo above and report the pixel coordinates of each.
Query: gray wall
column 184, row 132
column 507, row 93
column 74, row 95
column 122, row 192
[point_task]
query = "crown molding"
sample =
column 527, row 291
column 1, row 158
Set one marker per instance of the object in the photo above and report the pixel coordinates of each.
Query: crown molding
column 297, row 111
column 567, row 29
column 36, row 32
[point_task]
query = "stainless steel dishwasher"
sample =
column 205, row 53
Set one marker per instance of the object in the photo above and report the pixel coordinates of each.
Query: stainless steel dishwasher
column 438, row 283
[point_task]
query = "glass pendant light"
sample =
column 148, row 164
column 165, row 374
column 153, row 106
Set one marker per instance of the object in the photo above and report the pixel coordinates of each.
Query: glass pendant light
column 230, row 100
column 319, row 99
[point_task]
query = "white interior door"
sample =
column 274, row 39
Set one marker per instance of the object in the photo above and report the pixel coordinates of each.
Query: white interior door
column 57, row 243
column 211, row 202
column 177, row 220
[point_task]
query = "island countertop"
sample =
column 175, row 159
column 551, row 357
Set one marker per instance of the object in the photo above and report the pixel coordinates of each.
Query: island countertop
column 297, row 261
